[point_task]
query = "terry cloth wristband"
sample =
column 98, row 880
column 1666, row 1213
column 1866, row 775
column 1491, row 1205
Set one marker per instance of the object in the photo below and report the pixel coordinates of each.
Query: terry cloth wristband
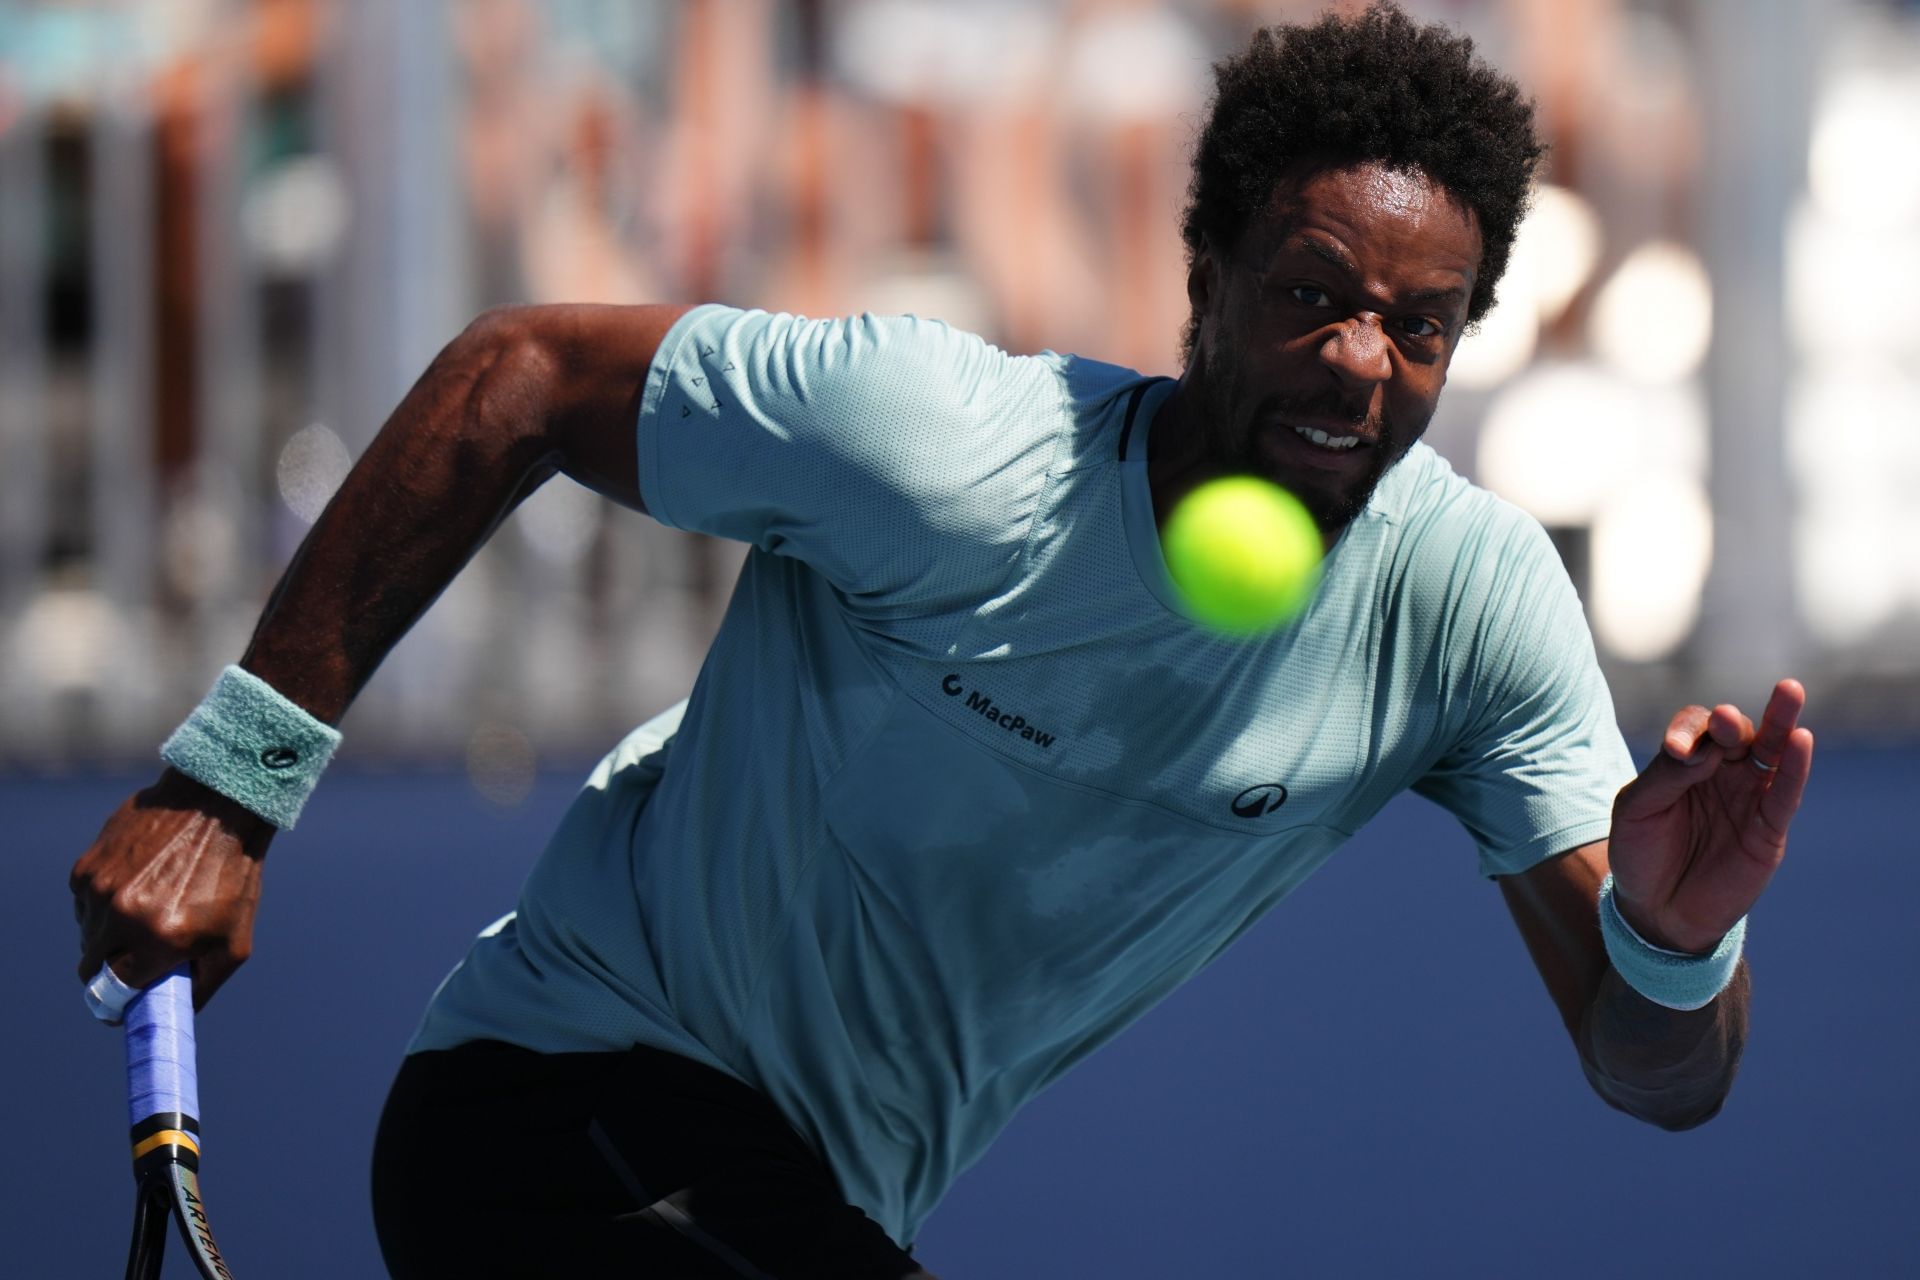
column 1676, row 979
column 251, row 745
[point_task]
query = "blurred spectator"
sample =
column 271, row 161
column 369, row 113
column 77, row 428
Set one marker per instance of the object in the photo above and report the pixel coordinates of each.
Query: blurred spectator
column 210, row 247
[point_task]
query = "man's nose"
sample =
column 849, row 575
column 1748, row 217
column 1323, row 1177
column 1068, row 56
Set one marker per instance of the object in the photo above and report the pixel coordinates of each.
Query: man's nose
column 1356, row 351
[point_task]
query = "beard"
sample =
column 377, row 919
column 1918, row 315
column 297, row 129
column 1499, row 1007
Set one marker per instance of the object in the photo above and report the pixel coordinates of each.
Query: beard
column 1334, row 502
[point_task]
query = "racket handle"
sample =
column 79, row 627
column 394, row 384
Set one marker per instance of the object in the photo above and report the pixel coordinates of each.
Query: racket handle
column 161, row 1074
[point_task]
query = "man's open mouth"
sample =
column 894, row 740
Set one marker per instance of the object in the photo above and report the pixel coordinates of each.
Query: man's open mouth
column 1326, row 440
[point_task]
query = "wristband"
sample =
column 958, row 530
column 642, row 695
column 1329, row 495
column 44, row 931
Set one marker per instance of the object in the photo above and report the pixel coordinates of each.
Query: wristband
column 253, row 746
column 1676, row 979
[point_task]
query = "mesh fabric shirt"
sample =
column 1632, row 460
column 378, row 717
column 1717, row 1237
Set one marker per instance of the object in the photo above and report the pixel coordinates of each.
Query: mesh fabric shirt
column 960, row 792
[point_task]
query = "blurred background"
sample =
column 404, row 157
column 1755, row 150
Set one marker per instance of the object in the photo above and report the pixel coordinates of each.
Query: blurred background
column 232, row 232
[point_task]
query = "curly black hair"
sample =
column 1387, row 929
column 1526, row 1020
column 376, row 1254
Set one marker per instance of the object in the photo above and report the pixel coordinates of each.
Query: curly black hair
column 1377, row 87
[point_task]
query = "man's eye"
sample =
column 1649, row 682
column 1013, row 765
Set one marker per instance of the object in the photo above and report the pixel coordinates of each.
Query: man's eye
column 1421, row 327
column 1307, row 295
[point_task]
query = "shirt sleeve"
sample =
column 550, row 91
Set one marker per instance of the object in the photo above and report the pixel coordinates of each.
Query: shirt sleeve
column 900, row 458
column 1538, row 758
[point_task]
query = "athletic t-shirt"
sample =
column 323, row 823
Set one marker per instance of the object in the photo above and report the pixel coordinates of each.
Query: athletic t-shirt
column 960, row 791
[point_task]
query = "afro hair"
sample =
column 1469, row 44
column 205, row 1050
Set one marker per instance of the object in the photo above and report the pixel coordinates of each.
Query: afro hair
column 1379, row 88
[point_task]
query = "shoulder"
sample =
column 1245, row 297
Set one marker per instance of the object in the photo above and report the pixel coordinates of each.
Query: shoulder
column 880, row 360
column 1449, row 538
column 903, row 399
column 1436, row 508
column 899, row 455
column 1478, row 570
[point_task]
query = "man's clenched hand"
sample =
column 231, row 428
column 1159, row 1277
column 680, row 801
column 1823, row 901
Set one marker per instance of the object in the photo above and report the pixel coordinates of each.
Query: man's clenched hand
column 173, row 876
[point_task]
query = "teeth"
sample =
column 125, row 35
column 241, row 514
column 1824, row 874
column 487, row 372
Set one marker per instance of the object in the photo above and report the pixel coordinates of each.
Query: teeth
column 1326, row 441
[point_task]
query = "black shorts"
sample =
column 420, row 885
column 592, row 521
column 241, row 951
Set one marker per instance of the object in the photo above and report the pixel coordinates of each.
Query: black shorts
column 497, row 1161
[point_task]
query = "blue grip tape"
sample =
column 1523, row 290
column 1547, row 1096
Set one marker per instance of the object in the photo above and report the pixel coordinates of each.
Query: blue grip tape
column 161, row 1076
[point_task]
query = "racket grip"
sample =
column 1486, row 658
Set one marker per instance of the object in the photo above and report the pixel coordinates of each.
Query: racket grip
column 161, row 1074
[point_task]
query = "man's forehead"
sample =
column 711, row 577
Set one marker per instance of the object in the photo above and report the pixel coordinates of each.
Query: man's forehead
column 1372, row 206
column 1407, row 192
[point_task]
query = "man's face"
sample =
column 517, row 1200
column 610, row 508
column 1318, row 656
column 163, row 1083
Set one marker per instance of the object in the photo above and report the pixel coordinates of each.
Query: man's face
column 1325, row 333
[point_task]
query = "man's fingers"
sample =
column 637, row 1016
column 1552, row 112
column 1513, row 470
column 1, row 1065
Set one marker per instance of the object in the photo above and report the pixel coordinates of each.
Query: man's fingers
column 1777, row 722
column 1730, row 728
column 1782, row 798
column 89, row 965
column 1697, row 740
column 105, row 937
column 136, row 956
column 143, row 969
column 210, row 973
column 101, row 938
column 1667, row 777
column 1693, row 727
column 137, row 967
column 1684, row 732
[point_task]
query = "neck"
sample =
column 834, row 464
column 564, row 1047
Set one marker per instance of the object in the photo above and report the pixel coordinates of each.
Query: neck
column 1181, row 454
column 1178, row 460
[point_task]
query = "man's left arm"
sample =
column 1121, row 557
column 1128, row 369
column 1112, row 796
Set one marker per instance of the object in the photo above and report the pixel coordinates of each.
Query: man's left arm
column 1695, row 839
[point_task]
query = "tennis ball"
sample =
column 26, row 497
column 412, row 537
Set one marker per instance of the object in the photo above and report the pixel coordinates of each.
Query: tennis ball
column 1244, row 553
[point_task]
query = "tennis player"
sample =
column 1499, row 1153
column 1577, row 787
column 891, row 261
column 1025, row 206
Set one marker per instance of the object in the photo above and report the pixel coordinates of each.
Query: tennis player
column 960, row 791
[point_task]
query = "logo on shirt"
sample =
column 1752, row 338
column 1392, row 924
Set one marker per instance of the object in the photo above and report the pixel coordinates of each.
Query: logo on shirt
column 1258, row 802
column 977, row 700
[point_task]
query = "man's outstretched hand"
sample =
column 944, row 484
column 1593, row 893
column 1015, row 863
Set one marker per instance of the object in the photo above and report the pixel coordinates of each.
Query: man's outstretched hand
column 173, row 877
column 1698, row 835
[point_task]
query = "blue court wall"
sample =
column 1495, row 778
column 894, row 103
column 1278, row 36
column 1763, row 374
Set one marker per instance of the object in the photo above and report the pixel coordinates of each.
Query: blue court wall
column 1371, row 1083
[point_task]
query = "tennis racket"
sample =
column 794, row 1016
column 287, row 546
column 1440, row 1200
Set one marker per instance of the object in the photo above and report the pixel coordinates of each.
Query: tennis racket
column 163, row 1106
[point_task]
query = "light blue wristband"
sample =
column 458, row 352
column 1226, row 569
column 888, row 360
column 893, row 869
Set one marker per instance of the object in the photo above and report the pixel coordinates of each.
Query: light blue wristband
column 1675, row 979
column 254, row 746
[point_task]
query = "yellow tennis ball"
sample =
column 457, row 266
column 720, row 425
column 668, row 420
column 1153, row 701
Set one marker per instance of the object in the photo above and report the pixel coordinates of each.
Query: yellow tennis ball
column 1244, row 553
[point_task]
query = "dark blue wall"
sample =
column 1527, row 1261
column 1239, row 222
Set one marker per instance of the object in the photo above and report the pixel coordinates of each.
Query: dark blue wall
column 1372, row 1083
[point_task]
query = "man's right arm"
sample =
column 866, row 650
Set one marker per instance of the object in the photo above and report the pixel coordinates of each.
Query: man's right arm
column 521, row 394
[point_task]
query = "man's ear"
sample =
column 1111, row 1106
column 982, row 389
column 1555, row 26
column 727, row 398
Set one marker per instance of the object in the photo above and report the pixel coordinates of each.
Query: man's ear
column 1201, row 279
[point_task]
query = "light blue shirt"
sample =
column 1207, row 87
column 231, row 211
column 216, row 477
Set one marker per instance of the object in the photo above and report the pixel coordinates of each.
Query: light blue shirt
column 960, row 792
